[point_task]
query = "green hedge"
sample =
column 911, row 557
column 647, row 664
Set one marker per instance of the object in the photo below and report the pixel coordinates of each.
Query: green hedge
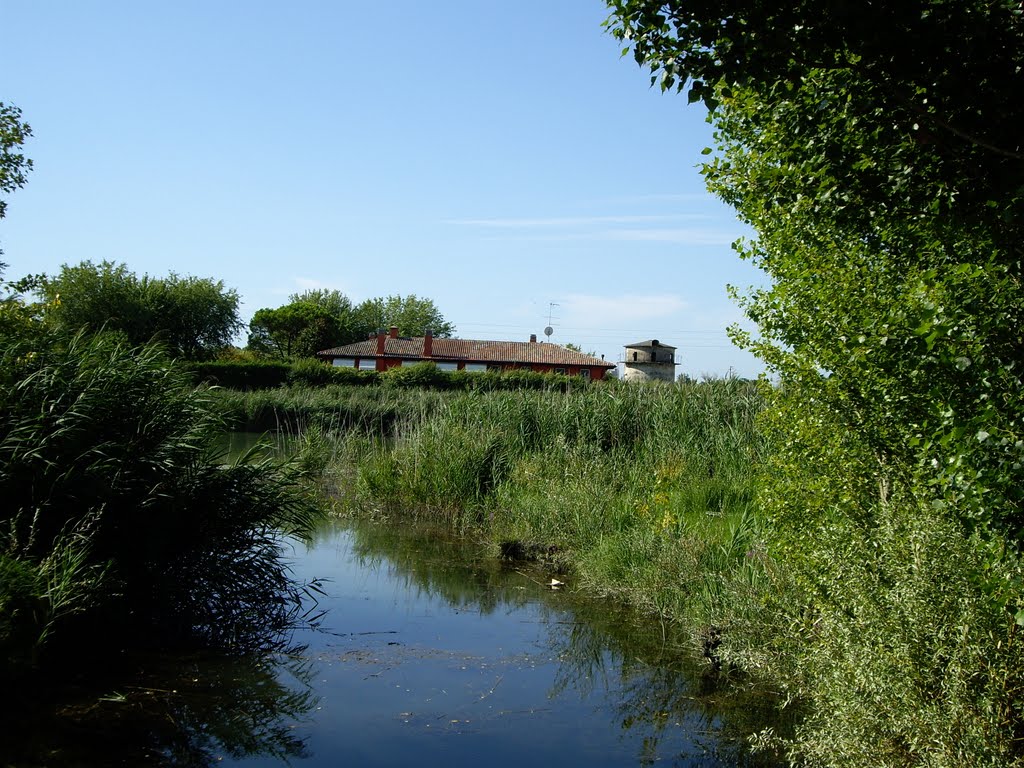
column 315, row 373
column 427, row 374
column 258, row 374
column 265, row 374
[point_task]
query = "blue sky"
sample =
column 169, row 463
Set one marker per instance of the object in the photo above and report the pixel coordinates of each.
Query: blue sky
column 498, row 158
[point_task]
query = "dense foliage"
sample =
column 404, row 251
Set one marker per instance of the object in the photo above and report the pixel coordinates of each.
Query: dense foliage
column 120, row 517
column 13, row 164
column 877, row 156
column 319, row 319
column 308, row 323
column 193, row 317
column 411, row 314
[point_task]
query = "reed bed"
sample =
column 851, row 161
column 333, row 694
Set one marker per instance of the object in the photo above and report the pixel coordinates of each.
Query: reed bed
column 644, row 491
column 120, row 517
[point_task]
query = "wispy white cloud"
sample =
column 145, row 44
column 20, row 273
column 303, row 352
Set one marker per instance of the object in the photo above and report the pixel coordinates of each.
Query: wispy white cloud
column 665, row 197
column 684, row 235
column 651, row 228
column 606, row 311
column 678, row 235
column 556, row 222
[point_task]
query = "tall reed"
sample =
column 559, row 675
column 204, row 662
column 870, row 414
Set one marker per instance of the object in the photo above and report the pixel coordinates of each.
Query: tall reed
column 644, row 490
column 120, row 516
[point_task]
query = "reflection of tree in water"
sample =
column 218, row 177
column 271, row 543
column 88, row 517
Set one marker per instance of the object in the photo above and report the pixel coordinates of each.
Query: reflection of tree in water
column 660, row 688
column 647, row 670
column 430, row 561
column 175, row 712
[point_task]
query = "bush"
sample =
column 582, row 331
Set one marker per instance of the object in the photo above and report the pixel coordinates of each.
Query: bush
column 245, row 374
column 417, row 375
column 316, row 373
column 110, row 472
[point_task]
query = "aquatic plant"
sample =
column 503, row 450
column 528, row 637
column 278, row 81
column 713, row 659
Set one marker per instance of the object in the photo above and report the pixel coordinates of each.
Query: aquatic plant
column 645, row 491
column 119, row 512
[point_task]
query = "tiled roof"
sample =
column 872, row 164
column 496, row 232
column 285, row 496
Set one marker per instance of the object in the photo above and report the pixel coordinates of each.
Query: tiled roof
column 469, row 350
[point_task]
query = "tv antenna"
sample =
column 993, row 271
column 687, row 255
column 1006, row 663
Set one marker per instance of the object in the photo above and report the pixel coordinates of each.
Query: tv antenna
column 548, row 330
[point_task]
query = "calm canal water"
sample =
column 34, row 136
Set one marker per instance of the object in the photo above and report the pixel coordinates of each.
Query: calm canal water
column 428, row 655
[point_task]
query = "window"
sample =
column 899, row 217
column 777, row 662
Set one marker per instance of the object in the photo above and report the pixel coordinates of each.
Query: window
column 560, row 371
column 343, row 362
column 447, row 366
column 634, row 357
column 475, row 367
column 585, row 373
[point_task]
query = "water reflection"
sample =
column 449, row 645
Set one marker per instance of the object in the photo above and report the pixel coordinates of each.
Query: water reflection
column 429, row 654
column 657, row 687
column 641, row 676
column 165, row 710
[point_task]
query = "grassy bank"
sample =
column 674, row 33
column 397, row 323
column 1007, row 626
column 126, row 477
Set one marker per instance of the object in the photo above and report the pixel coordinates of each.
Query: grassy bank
column 641, row 491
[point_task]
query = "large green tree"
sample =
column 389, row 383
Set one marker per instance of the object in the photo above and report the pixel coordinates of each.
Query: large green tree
column 319, row 319
column 876, row 151
column 297, row 329
column 331, row 299
column 411, row 314
column 193, row 317
column 313, row 320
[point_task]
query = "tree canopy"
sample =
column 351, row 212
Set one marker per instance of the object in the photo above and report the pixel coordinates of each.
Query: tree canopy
column 411, row 314
column 193, row 317
column 299, row 329
column 319, row 319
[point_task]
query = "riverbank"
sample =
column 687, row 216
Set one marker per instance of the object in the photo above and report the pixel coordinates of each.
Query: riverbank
column 427, row 653
column 642, row 492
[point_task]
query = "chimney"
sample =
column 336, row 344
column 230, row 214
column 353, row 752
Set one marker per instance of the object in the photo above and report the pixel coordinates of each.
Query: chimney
column 371, row 335
column 393, row 333
column 533, row 338
column 428, row 343
column 381, row 336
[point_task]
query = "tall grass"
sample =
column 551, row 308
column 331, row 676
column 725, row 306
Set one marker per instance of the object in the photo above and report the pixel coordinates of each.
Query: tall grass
column 120, row 517
column 641, row 490
column 372, row 410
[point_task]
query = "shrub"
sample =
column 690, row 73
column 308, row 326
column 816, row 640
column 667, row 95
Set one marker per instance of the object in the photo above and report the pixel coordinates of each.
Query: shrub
column 243, row 374
column 417, row 375
column 316, row 373
column 109, row 468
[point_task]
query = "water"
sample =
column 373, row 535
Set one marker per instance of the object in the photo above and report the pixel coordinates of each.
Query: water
column 425, row 655
column 428, row 656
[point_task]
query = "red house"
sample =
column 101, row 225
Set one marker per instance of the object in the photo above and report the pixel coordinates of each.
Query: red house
column 386, row 350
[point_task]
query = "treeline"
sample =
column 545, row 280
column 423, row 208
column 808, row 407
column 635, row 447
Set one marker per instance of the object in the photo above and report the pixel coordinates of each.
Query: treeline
column 198, row 318
column 319, row 319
